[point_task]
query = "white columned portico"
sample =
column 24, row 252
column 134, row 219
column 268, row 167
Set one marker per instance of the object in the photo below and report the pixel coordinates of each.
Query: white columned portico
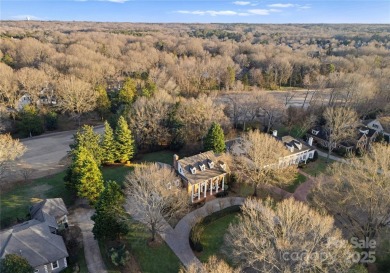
column 205, row 188
column 211, row 186
column 223, row 182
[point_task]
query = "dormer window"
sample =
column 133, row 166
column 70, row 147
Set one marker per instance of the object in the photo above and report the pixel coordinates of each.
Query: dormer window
column 290, row 148
column 223, row 165
column 299, row 145
column 211, row 164
column 314, row 132
column 193, row 170
column 202, row 167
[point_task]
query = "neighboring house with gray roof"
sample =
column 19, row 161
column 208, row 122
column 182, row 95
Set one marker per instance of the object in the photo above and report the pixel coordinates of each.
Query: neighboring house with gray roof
column 381, row 125
column 52, row 211
column 298, row 151
column 36, row 240
column 202, row 174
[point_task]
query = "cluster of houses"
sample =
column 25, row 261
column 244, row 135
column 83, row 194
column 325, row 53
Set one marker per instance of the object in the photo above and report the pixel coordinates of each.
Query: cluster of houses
column 202, row 175
column 205, row 174
column 37, row 240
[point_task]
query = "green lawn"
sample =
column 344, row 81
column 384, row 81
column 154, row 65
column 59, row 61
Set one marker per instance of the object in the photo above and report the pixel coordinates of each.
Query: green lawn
column 297, row 181
column 317, row 167
column 161, row 156
column 212, row 236
column 14, row 203
column 151, row 259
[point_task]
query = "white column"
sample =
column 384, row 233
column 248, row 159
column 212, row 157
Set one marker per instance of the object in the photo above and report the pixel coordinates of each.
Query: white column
column 216, row 188
column 211, row 186
column 199, row 185
column 205, row 189
column 192, row 193
column 223, row 183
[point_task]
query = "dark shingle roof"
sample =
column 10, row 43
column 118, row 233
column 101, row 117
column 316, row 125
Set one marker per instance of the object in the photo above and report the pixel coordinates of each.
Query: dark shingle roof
column 203, row 158
column 33, row 241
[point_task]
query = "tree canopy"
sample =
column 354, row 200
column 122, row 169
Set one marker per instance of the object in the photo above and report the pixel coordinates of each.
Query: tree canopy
column 124, row 141
column 110, row 217
column 13, row 263
column 287, row 236
column 84, row 175
column 215, row 139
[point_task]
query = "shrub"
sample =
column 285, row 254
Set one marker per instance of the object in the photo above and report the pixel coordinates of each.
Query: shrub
column 119, row 256
column 221, row 194
column 51, row 121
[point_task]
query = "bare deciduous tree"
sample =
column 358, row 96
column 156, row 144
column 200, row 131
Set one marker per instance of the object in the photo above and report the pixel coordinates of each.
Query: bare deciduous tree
column 257, row 158
column 148, row 120
column 197, row 115
column 76, row 97
column 287, row 237
column 10, row 149
column 153, row 197
column 213, row 265
column 340, row 125
column 358, row 193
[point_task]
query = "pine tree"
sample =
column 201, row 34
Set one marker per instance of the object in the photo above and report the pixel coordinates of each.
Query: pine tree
column 108, row 144
column 124, row 141
column 215, row 139
column 84, row 175
column 87, row 138
column 109, row 213
column 103, row 103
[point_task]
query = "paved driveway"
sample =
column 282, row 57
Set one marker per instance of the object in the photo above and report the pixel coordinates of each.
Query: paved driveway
column 82, row 218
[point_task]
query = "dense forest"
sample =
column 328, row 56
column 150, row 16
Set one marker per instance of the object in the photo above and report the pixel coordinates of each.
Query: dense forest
column 165, row 77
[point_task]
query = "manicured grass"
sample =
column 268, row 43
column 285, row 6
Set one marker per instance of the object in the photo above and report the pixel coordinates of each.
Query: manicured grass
column 15, row 203
column 161, row 156
column 317, row 167
column 151, row 259
column 297, row 181
column 116, row 173
column 213, row 234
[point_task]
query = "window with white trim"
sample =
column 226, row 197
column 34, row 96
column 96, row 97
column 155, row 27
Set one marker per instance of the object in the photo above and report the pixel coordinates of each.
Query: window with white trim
column 55, row 265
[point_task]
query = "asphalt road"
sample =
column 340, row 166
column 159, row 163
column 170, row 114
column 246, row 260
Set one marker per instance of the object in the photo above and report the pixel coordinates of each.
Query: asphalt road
column 44, row 153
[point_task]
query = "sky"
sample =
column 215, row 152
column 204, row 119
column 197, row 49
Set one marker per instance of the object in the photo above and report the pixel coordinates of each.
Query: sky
column 200, row 11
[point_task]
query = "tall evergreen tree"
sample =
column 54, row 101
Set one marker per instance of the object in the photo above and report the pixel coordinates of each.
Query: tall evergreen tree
column 87, row 138
column 215, row 139
column 108, row 144
column 109, row 214
column 103, row 103
column 124, row 141
column 84, row 175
